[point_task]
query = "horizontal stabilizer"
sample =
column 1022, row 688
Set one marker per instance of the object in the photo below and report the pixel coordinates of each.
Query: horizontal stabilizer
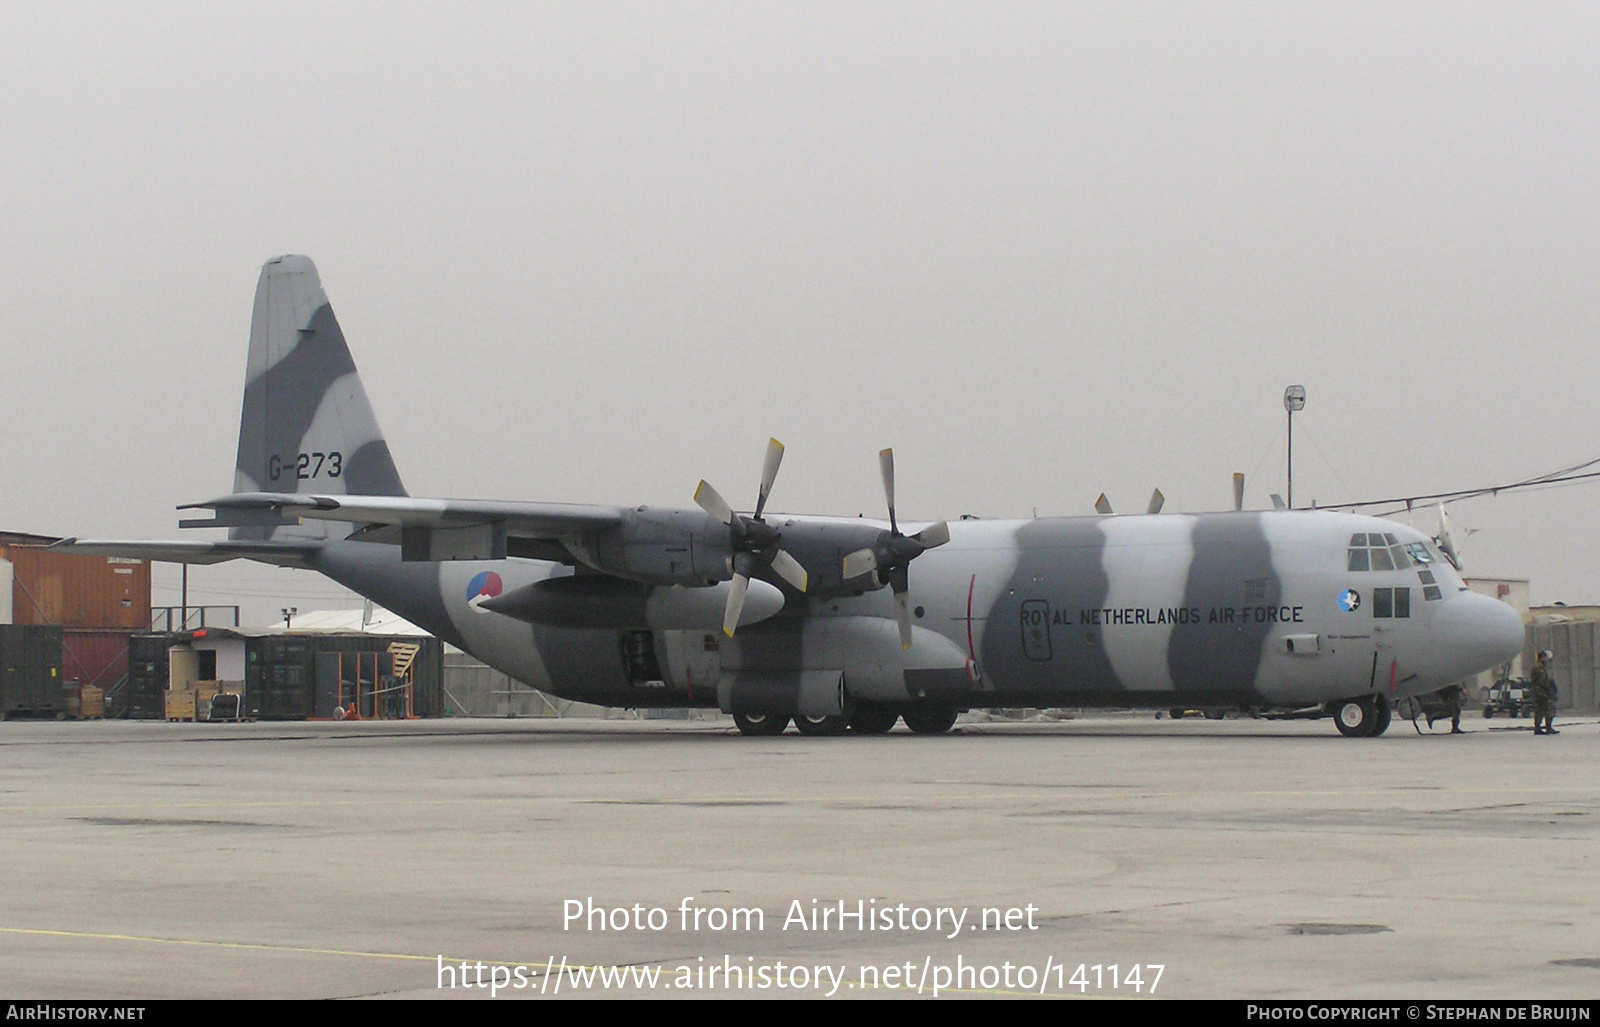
column 532, row 520
column 283, row 554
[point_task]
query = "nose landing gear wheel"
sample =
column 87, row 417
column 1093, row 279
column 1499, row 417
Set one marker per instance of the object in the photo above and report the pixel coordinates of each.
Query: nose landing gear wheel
column 1366, row 717
column 760, row 724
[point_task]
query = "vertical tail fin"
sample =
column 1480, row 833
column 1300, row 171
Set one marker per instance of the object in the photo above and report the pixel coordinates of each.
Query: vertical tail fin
column 306, row 425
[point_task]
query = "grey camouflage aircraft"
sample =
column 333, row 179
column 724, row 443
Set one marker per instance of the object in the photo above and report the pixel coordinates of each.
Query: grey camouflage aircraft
column 834, row 623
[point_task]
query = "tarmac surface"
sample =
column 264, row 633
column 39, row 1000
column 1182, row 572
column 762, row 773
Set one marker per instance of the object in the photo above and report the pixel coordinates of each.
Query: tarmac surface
column 1246, row 859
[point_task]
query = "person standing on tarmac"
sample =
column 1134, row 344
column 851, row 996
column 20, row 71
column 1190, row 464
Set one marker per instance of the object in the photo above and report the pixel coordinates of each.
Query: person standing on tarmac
column 1452, row 698
column 1543, row 692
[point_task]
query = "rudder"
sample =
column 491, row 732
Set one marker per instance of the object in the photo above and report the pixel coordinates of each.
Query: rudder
column 306, row 424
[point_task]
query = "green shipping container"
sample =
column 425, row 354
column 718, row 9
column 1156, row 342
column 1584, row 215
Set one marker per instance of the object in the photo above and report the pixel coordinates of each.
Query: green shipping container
column 30, row 671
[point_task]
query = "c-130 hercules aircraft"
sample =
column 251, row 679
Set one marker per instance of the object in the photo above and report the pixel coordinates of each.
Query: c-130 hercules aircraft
column 834, row 623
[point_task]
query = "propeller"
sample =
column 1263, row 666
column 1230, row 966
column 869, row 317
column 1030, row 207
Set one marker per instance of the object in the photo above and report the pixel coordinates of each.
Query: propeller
column 754, row 542
column 889, row 558
column 1157, row 501
column 1102, row 505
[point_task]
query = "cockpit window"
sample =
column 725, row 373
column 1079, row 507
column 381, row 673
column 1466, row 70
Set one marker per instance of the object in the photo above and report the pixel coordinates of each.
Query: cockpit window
column 1374, row 551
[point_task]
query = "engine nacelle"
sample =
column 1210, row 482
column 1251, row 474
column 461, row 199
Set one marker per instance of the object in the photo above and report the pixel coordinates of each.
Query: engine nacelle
column 661, row 547
column 602, row 602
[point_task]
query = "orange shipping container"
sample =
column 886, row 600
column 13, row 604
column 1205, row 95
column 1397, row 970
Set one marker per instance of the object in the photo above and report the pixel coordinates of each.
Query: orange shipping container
column 77, row 591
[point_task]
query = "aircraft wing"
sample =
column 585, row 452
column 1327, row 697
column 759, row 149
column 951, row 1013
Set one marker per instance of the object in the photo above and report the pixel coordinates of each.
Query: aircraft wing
column 284, row 554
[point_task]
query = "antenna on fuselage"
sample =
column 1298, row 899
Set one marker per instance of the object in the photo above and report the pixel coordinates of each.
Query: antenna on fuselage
column 1447, row 544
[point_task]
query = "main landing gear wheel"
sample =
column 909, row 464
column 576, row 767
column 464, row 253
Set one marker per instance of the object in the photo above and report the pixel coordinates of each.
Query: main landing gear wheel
column 760, row 723
column 1362, row 718
column 873, row 720
column 821, row 725
column 930, row 720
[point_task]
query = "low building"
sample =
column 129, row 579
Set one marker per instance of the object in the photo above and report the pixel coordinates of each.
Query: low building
column 1572, row 634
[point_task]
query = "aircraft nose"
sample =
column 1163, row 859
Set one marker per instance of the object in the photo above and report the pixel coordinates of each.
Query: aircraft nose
column 1482, row 633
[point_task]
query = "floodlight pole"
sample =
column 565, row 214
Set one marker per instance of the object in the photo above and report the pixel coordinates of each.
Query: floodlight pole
column 1294, row 398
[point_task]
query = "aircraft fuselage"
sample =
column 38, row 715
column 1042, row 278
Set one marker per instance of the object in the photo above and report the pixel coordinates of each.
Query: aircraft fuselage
column 1237, row 609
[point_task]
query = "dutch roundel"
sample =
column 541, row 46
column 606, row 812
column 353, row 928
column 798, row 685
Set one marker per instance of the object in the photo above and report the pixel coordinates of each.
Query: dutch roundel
column 486, row 585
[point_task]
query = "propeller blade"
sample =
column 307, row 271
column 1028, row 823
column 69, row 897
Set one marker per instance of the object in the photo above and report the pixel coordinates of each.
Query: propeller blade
column 789, row 570
column 1102, row 505
column 730, row 617
column 1157, row 501
column 902, row 616
column 934, row 535
column 712, row 503
column 1238, row 491
column 886, row 465
column 1277, row 502
column 860, row 562
column 769, row 473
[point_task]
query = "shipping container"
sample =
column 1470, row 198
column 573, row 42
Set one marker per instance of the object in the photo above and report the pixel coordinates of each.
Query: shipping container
column 147, row 676
column 30, row 671
column 98, row 658
column 73, row 591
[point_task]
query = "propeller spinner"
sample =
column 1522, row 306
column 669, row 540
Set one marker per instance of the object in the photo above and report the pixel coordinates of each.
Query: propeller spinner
column 889, row 558
column 754, row 542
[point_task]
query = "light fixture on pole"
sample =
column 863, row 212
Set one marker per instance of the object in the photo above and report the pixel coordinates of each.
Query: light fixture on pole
column 1294, row 398
column 288, row 616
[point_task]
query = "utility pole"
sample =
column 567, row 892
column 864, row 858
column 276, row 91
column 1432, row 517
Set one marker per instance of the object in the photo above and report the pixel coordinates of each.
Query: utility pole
column 1294, row 398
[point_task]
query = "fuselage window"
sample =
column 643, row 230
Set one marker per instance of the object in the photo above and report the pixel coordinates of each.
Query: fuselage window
column 1391, row 603
column 1430, row 592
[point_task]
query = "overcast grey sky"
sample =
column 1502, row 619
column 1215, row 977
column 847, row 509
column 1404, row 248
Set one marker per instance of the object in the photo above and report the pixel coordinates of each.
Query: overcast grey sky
column 594, row 252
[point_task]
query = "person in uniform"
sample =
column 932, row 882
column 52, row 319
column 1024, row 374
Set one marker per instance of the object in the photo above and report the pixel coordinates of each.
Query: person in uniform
column 1542, row 690
column 1452, row 698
